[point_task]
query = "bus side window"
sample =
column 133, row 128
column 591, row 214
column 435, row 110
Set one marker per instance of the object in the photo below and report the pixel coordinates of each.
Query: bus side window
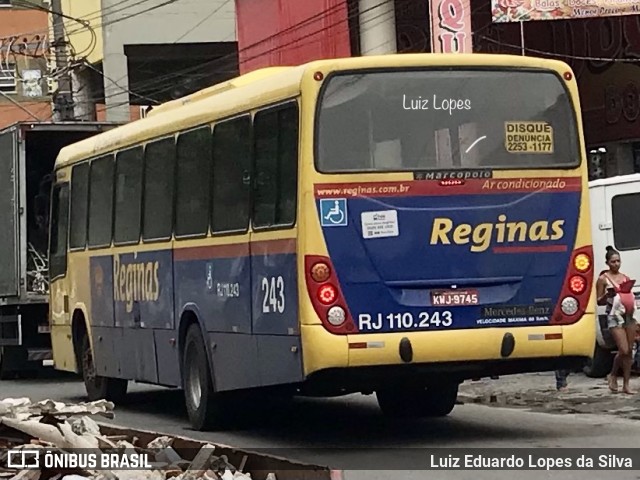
column 276, row 166
column 59, row 231
column 128, row 196
column 79, row 206
column 101, row 202
column 193, row 194
column 159, row 189
column 231, row 175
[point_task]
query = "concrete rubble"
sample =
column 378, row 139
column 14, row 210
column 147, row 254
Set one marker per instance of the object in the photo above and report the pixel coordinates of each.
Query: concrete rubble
column 55, row 426
column 536, row 392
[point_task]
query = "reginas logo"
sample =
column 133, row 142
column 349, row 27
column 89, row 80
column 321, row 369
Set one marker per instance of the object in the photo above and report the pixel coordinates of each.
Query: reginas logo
column 480, row 236
column 135, row 282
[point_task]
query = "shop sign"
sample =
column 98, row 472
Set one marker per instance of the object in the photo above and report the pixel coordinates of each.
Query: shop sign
column 451, row 26
column 527, row 10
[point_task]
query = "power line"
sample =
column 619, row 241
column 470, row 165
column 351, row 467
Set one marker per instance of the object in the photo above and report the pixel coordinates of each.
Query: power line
column 229, row 57
column 128, row 17
column 213, row 12
column 21, row 107
column 234, row 55
column 561, row 55
column 309, row 38
column 88, row 64
column 88, row 18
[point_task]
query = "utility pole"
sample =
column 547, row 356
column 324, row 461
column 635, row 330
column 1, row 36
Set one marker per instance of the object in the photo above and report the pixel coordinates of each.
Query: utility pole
column 63, row 103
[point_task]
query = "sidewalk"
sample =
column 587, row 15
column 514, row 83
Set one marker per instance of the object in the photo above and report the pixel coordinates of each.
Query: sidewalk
column 537, row 392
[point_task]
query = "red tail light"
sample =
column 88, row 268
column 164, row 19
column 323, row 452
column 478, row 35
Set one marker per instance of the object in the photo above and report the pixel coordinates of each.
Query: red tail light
column 576, row 289
column 577, row 284
column 326, row 296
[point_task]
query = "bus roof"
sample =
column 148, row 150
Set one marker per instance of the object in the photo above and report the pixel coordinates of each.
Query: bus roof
column 240, row 81
column 265, row 86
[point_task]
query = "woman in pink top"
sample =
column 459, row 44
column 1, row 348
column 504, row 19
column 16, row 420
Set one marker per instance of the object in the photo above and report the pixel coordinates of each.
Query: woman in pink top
column 623, row 328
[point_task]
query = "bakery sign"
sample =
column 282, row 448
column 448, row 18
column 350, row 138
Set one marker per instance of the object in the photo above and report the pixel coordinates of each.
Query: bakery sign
column 451, row 26
column 527, row 10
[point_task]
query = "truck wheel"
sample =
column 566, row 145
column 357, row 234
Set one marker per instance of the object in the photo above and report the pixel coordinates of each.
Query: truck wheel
column 601, row 363
column 112, row 389
column 204, row 406
column 433, row 401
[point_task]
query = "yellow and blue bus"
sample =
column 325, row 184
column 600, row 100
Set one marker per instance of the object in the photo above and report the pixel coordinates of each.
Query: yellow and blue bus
column 392, row 224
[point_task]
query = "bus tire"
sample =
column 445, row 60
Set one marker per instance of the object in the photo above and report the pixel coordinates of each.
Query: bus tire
column 203, row 404
column 433, row 401
column 97, row 387
column 601, row 363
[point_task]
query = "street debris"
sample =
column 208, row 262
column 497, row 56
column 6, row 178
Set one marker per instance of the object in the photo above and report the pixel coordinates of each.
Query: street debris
column 536, row 392
column 54, row 428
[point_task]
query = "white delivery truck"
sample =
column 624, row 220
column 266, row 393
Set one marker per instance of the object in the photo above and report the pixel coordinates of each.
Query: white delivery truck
column 28, row 151
column 615, row 216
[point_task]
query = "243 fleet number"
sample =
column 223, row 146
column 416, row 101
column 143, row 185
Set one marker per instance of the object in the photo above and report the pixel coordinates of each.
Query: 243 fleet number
column 404, row 321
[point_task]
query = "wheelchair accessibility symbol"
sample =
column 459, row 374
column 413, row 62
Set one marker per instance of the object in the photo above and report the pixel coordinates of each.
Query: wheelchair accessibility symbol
column 333, row 212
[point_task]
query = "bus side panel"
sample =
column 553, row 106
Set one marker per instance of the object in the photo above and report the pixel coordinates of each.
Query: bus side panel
column 280, row 359
column 143, row 302
column 213, row 282
column 235, row 361
column 215, row 279
column 274, row 280
column 106, row 338
column 102, row 289
column 109, row 356
column 167, row 356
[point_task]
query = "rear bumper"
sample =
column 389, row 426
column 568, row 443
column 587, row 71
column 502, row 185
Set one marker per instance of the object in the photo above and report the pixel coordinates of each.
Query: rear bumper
column 466, row 353
column 334, row 381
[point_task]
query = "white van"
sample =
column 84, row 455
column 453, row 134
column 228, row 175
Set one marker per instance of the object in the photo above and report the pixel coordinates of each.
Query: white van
column 615, row 216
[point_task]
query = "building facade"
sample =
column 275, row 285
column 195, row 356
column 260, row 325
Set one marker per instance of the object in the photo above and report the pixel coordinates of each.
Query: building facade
column 603, row 52
column 25, row 87
column 133, row 54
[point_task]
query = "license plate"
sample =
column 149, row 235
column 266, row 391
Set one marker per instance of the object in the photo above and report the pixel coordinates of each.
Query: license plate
column 44, row 329
column 454, row 297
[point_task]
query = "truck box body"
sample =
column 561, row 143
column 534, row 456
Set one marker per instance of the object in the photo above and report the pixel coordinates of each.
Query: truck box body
column 28, row 151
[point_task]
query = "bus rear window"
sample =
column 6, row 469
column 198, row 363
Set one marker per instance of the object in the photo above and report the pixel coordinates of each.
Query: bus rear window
column 422, row 120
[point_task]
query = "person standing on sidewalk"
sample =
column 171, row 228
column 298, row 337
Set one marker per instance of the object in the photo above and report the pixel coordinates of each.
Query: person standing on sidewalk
column 561, row 380
column 622, row 327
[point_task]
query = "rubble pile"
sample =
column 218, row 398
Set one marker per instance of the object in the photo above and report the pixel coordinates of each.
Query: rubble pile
column 50, row 426
column 536, row 392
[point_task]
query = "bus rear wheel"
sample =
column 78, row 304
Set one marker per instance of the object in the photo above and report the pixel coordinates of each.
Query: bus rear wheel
column 112, row 389
column 434, row 401
column 205, row 407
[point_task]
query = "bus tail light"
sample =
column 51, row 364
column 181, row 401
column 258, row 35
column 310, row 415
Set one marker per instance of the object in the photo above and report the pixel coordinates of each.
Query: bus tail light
column 326, row 296
column 582, row 262
column 569, row 306
column 320, row 272
column 336, row 316
column 577, row 284
column 576, row 288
